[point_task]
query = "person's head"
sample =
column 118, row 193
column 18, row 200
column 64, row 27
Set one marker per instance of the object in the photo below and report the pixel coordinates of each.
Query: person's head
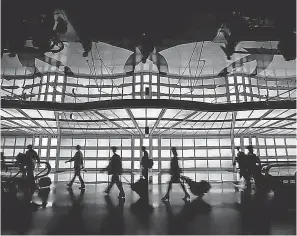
column 174, row 152
column 143, row 148
column 30, row 147
column 114, row 149
column 250, row 148
column 238, row 148
column 78, row 147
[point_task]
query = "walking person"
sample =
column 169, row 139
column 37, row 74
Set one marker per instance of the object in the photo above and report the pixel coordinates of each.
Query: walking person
column 32, row 154
column 115, row 169
column 254, row 166
column 175, row 172
column 242, row 160
column 32, row 158
column 144, row 163
column 78, row 165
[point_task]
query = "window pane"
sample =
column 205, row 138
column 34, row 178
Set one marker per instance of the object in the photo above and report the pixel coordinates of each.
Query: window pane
column 291, row 151
column 165, row 142
column 279, row 141
column 80, row 142
column 103, row 142
column 270, row 152
column 137, row 142
column 213, row 152
column 188, row 142
column 176, row 142
column 53, row 152
column 200, row 153
column 237, row 142
column 9, row 141
column 201, row 163
column 145, row 142
column 28, row 141
column 91, row 142
column 155, row 154
column 226, row 163
column 90, row 153
column 44, row 141
column 103, row 153
column 20, row 142
column 43, row 153
column 269, row 141
column 65, row 153
column 200, row 142
column 262, row 152
column 115, row 142
column 165, row 153
column 281, row 152
column 36, row 142
column 126, row 142
column 188, row 153
column 126, row 164
column 213, row 142
column 188, row 164
column 66, row 142
column 261, row 141
column 126, row 153
column 225, row 142
column 289, row 141
column 102, row 164
column 214, row 163
column 226, row 152
column 54, row 141
column 165, row 164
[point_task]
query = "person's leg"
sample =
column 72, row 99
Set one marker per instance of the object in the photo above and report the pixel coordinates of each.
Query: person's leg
column 119, row 185
column 82, row 183
column 184, row 189
column 71, row 182
column 110, row 184
column 168, row 190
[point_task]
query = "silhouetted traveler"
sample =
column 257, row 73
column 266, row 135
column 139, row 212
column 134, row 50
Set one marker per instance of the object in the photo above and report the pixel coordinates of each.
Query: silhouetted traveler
column 242, row 161
column 144, row 163
column 78, row 165
column 26, row 165
column 115, row 169
column 254, row 165
column 31, row 153
column 175, row 172
column 22, row 160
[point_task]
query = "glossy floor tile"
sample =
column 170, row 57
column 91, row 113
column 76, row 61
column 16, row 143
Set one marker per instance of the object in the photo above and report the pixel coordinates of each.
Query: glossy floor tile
column 221, row 211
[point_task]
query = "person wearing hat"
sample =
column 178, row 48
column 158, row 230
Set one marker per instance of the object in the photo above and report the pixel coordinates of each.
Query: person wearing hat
column 78, row 165
column 254, row 165
column 175, row 172
column 115, row 169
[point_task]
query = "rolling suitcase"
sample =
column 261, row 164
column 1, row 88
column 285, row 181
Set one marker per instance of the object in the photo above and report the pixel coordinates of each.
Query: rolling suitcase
column 44, row 182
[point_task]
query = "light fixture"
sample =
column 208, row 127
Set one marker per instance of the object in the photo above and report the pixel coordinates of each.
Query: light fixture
column 146, row 131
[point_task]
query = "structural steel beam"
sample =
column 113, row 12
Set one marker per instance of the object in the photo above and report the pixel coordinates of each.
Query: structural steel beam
column 148, row 103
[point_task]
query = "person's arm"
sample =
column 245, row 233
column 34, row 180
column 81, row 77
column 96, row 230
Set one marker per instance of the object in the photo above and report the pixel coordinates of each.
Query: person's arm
column 70, row 160
column 37, row 158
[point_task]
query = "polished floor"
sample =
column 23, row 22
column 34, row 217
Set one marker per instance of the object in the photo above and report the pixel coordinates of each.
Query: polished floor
column 221, row 211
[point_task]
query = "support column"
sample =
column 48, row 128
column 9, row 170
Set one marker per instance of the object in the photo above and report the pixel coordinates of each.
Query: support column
column 58, row 145
column 232, row 137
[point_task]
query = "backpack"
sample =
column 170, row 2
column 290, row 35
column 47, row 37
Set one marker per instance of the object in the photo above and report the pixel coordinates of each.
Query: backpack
column 150, row 163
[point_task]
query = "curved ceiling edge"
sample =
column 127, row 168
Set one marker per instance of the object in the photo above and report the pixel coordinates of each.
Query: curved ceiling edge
column 148, row 103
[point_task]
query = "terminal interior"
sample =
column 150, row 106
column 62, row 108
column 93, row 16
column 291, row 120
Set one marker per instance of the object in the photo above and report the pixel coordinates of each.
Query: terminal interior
column 186, row 94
